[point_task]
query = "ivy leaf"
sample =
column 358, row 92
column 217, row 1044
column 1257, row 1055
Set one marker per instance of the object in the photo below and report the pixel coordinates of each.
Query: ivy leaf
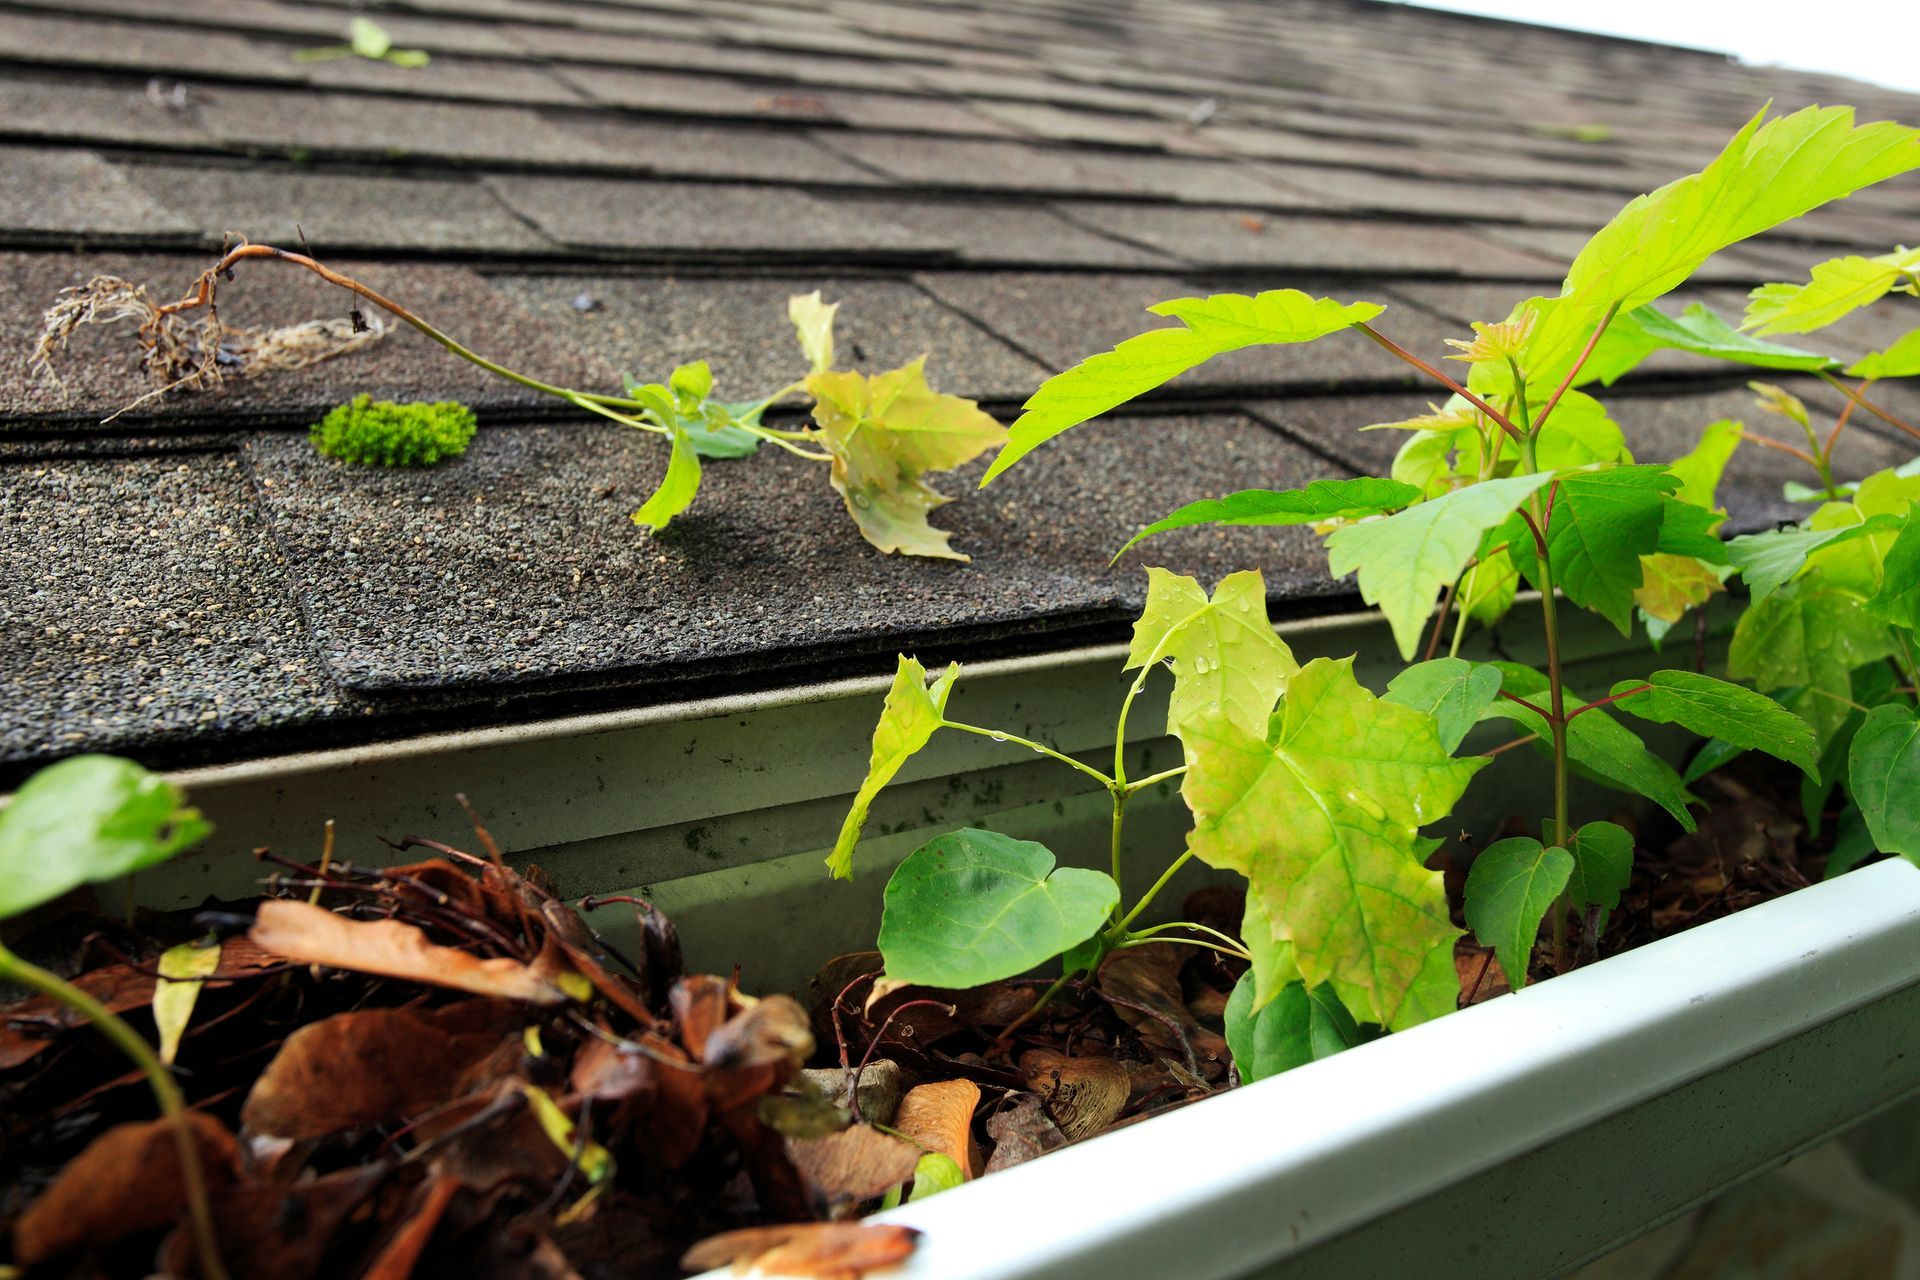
column 183, row 971
column 1883, row 773
column 973, row 907
column 1321, row 500
column 1223, row 652
column 1901, row 360
column 677, row 488
column 1404, row 560
column 1808, row 637
column 1834, row 289
column 1717, row 709
column 1452, row 690
column 1634, row 336
column 1598, row 745
column 1769, row 560
column 1602, row 522
column 1898, row 600
column 86, row 819
column 813, row 322
column 1602, row 865
column 1512, row 884
column 1210, row 327
column 1772, row 171
column 1297, row 1027
column 912, row 712
column 887, row 431
column 1322, row 816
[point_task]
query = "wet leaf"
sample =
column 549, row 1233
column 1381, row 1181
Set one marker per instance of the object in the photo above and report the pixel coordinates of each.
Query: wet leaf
column 1223, row 652
column 1769, row 560
column 973, row 907
column 1805, row 636
column 1883, row 773
column 912, row 712
column 128, row 1179
column 1508, row 893
column 1898, row 599
column 392, row 949
column 173, row 1001
column 88, row 818
column 1323, row 817
column 1296, row 1027
column 886, row 432
column 828, row 1250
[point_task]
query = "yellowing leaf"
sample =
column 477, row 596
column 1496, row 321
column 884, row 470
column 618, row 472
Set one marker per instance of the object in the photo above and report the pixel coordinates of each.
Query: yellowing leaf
column 678, row 487
column 887, row 431
column 912, row 712
column 1223, row 651
column 1833, row 290
column 173, row 1001
column 1323, row 816
column 1212, row 326
column 813, row 322
column 1670, row 585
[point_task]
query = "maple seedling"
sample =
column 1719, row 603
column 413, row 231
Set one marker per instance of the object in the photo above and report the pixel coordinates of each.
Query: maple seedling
column 1315, row 789
column 880, row 435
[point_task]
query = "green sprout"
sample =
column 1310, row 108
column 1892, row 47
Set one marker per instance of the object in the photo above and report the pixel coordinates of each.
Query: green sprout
column 381, row 433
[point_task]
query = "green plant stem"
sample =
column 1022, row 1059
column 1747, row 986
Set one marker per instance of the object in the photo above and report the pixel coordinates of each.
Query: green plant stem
column 999, row 735
column 1120, row 926
column 1141, row 784
column 1557, row 715
column 166, row 1093
column 1119, row 793
column 1238, row 953
column 1141, row 935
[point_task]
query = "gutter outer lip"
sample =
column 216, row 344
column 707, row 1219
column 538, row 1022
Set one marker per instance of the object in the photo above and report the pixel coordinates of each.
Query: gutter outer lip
column 1275, row 1168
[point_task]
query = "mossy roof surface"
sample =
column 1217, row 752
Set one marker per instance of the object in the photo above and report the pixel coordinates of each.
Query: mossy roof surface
column 590, row 187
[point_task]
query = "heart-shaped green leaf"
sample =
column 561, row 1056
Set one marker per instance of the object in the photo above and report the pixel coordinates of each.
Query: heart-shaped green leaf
column 1883, row 772
column 1512, row 884
column 973, row 907
column 1296, row 1027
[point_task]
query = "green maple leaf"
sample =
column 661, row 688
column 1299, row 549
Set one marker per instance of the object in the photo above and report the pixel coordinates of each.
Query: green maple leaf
column 1209, row 327
column 1451, row 690
column 1770, row 560
column 1223, row 652
column 1634, row 336
column 1404, row 559
column 1834, row 289
column 885, row 433
column 1602, row 522
column 1810, row 637
column 1321, row 500
column 1699, row 469
column 1771, row 172
column 1901, row 360
column 681, row 483
column 1717, row 709
column 912, row 712
column 1598, row 746
column 1323, row 817
column 1883, row 773
column 1512, row 884
column 1898, row 600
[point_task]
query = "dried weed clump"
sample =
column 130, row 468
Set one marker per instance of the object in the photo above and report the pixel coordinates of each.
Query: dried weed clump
column 193, row 352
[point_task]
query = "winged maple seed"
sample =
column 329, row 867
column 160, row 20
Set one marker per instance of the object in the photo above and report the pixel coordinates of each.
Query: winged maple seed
column 825, row 1250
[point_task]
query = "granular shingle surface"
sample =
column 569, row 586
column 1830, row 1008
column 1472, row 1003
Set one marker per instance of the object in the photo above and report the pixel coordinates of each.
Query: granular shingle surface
column 584, row 188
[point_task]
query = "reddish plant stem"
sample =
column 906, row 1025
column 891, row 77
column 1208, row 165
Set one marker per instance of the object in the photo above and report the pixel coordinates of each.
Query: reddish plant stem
column 1869, row 405
column 1566, row 383
column 1601, row 702
column 1768, row 442
column 1433, row 371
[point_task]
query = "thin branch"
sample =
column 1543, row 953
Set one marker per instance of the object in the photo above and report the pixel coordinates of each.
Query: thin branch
column 1768, row 442
column 1868, row 405
column 1508, row 746
column 1566, row 384
column 1601, row 702
column 1439, row 376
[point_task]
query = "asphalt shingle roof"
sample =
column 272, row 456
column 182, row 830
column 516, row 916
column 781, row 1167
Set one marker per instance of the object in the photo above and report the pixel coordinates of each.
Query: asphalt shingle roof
column 592, row 187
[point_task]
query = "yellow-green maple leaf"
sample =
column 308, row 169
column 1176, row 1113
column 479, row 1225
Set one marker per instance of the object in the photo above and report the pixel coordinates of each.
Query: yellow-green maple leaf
column 1223, row 651
column 887, row 431
column 1323, row 817
column 913, row 712
column 1671, row 584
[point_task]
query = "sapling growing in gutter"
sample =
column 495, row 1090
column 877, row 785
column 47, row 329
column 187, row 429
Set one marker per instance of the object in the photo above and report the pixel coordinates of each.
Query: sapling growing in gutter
column 880, row 435
column 1520, row 475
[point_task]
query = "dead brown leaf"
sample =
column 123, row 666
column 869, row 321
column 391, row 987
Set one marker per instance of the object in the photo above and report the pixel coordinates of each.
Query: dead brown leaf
column 1083, row 1095
column 939, row 1117
column 391, row 949
column 821, row 1249
column 372, row 1066
column 1020, row 1131
column 127, row 1180
column 401, row 1253
column 853, row 1166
